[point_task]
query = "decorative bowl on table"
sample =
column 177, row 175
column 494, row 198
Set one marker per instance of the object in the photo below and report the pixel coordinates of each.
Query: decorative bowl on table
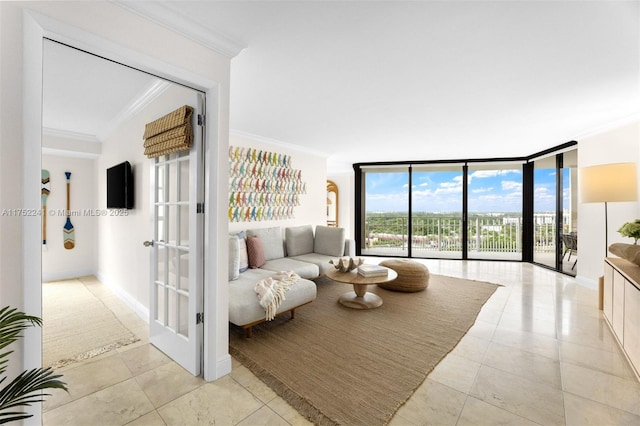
column 347, row 264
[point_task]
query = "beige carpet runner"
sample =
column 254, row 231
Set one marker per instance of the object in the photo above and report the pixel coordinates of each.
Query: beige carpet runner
column 77, row 325
column 337, row 365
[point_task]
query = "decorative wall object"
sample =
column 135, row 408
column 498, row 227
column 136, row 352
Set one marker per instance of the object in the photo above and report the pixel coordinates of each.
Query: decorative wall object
column 44, row 194
column 169, row 133
column 262, row 185
column 69, row 234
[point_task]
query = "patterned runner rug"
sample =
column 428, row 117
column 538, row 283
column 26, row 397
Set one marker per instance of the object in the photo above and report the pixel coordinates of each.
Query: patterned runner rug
column 77, row 325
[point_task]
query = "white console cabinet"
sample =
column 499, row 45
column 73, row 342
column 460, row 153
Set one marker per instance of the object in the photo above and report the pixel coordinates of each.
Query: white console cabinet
column 621, row 306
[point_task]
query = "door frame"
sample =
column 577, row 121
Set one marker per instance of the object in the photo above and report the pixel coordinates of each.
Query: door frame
column 36, row 27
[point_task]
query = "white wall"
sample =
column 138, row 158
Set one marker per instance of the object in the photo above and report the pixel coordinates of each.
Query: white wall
column 312, row 208
column 617, row 145
column 124, row 263
column 57, row 261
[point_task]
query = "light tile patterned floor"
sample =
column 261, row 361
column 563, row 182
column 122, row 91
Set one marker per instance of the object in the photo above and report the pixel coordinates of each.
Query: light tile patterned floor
column 539, row 353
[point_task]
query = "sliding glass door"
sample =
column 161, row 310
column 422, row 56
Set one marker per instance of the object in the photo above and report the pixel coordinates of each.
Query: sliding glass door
column 555, row 210
column 544, row 211
column 569, row 237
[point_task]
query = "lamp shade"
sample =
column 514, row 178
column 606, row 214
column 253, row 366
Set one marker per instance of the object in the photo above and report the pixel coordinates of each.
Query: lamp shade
column 609, row 183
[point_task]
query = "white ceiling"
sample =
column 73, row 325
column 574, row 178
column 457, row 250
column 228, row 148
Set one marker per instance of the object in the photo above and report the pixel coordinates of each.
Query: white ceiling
column 365, row 81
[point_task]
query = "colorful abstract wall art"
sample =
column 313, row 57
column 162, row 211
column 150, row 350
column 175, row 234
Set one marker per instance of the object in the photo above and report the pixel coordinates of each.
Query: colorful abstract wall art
column 262, row 185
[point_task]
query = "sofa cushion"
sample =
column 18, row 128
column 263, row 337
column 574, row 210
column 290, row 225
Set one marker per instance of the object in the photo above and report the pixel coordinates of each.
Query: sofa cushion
column 304, row 269
column 329, row 240
column 242, row 250
column 234, row 257
column 255, row 251
column 243, row 303
column 320, row 260
column 299, row 240
column 271, row 241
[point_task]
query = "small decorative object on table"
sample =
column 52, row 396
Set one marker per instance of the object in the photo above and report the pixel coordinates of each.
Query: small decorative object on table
column 372, row 271
column 347, row 264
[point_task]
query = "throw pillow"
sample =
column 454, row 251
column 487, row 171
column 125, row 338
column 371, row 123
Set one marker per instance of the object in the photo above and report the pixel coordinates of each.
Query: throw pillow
column 329, row 241
column 272, row 241
column 242, row 250
column 255, row 252
column 234, row 258
column 299, row 240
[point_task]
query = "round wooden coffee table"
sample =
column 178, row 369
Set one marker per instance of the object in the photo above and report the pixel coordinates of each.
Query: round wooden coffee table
column 359, row 298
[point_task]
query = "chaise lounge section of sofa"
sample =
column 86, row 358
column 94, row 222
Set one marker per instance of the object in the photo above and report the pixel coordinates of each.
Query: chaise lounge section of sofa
column 298, row 249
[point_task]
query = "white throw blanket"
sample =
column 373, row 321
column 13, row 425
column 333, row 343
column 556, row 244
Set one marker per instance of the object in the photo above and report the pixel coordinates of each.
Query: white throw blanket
column 271, row 291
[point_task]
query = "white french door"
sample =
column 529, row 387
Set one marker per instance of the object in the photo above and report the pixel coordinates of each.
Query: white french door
column 176, row 307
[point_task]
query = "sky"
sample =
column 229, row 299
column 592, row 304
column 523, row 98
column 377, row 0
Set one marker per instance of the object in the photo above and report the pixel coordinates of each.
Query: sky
column 441, row 192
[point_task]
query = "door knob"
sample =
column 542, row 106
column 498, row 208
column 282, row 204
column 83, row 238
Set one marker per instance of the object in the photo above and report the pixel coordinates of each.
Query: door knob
column 148, row 243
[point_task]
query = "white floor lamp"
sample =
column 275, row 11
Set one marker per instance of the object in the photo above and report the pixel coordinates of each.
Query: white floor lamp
column 608, row 183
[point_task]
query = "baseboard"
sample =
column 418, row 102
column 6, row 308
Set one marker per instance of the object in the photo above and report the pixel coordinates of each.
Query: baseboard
column 222, row 367
column 137, row 307
column 66, row 275
column 587, row 282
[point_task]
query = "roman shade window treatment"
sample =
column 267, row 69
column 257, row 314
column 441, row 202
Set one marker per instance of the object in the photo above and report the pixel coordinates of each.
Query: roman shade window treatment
column 170, row 133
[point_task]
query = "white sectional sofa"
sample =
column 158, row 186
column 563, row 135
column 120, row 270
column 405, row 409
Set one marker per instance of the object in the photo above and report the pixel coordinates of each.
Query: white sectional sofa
column 297, row 249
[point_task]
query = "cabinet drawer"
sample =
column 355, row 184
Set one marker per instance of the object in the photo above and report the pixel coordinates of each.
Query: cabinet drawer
column 618, row 305
column 632, row 323
column 607, row 296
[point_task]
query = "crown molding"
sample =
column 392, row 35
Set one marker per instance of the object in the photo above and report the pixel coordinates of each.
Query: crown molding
column 67, row 134
column 268, row 141
column 139, row 102
column 612, row 125
column 171, row 16
column 69, row 154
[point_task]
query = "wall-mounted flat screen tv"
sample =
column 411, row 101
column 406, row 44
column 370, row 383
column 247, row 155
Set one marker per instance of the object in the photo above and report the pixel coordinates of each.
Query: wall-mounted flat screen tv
column 120, row 186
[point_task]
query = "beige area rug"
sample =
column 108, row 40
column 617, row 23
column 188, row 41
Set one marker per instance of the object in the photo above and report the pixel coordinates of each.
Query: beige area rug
column 337, row 365
column 77, row 325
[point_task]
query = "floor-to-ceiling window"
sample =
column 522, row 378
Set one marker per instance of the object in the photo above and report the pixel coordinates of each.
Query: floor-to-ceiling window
column 436, row 210
column 386, row 211
column 494, row 224
column 504, row 209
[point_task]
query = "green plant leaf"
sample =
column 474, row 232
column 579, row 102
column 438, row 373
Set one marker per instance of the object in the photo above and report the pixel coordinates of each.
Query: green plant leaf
column 27, row 387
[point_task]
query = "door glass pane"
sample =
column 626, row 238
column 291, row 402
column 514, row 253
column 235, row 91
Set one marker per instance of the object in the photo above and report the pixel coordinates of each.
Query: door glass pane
column 183, row 327
column 160, row 183
column 184, row 226
column 183, row 274
column 160, row 311
column 436, row 216
column 160, row 224
column 494, row 211
column 172, row 309
column 544, row 211
column 172, row 276
column 172, row 222
column 162, row 266
column 173, row 182
column 386, row 208
column 184, row 180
